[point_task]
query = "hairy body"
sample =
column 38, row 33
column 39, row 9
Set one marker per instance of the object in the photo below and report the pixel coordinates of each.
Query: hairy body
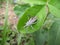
column 31, row 21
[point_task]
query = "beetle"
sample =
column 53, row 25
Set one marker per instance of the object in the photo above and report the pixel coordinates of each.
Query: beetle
column 31, row 21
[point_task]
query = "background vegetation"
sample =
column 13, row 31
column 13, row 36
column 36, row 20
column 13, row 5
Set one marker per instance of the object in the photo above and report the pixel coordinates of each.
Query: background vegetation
column 46, row 30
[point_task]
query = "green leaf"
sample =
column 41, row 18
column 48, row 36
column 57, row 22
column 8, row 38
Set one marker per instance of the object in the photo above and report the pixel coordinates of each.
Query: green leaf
column 20, row 9
column 54, row 34
column 39, row 11
column 35, row 1
column 42, row 33
column 55, row 11
column 57, row 41
column 41, row 38
column 55, row 3
column 54, row 7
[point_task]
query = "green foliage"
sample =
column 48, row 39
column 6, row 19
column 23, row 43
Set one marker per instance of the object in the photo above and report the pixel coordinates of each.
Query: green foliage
column 54, row 7
column 46, row 30
column 37, row 2
column 20, row 9
column 1, row 1
column 5, row 28
column 54, row 10
column 54, row 32
column 32, row 11
column 41, row 36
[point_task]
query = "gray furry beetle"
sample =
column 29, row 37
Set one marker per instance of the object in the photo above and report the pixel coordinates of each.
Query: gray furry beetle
column 31, row 21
